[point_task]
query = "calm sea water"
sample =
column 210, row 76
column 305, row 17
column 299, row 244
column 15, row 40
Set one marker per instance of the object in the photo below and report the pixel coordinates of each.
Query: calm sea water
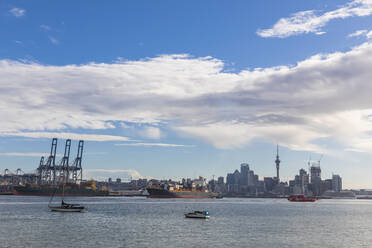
column 141, row 222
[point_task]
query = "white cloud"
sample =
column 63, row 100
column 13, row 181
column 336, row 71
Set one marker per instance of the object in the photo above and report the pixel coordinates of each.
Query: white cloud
column 53, row 40
column 150, row 133
column 369, row 35
column 225, row 135
column 123, row 125
column 65, row 135
column 104, row 174
column 365, row 33
column 358, row 33
column 325, row 97
column 152, row 144
column 45, row 27
column 23, row 154
column 310, row 22
column 17, row 12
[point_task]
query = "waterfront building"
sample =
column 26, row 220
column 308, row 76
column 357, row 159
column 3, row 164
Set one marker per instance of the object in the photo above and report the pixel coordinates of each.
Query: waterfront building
column 220, row 180
column 316, row 179
column 336, row 183
column 303, row 181
column 315, row 173
column 188, row 182
column 236, row 176
column 269, row 183
column 244, row 174
column 229, row 179
column 327, row 185
column 256, row 179
column 220, row 185
column 200, row 182
column 212, row 185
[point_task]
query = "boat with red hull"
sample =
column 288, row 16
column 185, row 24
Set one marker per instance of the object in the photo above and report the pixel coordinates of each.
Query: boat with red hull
column 301, row 198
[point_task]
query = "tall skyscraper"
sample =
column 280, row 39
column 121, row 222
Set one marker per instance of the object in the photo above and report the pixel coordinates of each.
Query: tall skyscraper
column 316, row 179
column 315, row 174
column 244, row 172
column 277, row 162
column 336, row 183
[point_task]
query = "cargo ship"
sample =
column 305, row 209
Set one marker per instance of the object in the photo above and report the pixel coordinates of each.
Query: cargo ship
column 70, row 190
column 159, row 192
column 48, row 191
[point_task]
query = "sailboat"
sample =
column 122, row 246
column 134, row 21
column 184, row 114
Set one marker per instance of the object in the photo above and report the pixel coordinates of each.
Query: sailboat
column 65, row 207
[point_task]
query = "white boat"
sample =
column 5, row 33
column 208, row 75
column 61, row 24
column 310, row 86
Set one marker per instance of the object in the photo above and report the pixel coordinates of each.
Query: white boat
column 198, row 215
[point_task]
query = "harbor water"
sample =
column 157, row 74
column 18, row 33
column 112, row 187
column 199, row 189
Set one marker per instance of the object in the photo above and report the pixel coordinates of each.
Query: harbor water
column 25, row 221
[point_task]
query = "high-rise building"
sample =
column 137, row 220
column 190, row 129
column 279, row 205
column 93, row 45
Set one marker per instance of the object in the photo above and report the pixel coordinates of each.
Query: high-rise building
column 269, row 183
column 229, row 179
column 220, row 180
column 336, row 183
column 316, row 179
column 236, row 176
column 244, row 174
column 315, row 172
column 251, row 178
column 300, row 184
column 327, row 184
column 256, row 180
column 220, row 185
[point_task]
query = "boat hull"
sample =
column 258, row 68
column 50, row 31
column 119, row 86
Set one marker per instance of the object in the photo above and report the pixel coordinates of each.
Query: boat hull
column 163, row 193
column 60, row 209
column 197, row 217
column 311, row 200
column 301, row 198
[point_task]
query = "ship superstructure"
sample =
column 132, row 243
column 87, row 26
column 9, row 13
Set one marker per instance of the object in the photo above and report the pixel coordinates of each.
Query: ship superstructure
column 194, row 189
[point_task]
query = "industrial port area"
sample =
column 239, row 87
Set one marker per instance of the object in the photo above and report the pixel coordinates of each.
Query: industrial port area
column 50, row 175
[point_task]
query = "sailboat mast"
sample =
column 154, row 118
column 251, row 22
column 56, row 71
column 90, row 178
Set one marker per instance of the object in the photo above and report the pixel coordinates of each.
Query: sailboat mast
column 63, row 187
column 63, row 191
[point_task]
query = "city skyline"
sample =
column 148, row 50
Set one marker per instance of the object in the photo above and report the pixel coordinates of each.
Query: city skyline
column 172, row 90
column 102, row 175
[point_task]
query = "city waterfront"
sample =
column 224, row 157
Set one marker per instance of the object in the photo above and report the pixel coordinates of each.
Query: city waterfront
column 25, row 221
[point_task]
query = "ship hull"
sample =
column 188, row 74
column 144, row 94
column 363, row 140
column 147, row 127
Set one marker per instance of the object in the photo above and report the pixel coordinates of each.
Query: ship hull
column 301, row 198
column 37, row 191
column 163, row 193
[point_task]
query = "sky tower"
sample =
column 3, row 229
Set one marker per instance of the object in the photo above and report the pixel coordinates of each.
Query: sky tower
column 277, row 162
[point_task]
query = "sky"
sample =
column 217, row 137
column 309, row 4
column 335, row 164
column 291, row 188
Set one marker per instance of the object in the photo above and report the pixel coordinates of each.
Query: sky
column 173, row 89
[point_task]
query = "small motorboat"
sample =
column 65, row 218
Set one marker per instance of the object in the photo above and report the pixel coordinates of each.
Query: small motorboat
column 198, row 215
column 65, row 207
column 302, row 198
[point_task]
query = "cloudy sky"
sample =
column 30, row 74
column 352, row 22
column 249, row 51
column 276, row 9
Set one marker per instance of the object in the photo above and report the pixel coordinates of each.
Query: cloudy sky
column 172, row 89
